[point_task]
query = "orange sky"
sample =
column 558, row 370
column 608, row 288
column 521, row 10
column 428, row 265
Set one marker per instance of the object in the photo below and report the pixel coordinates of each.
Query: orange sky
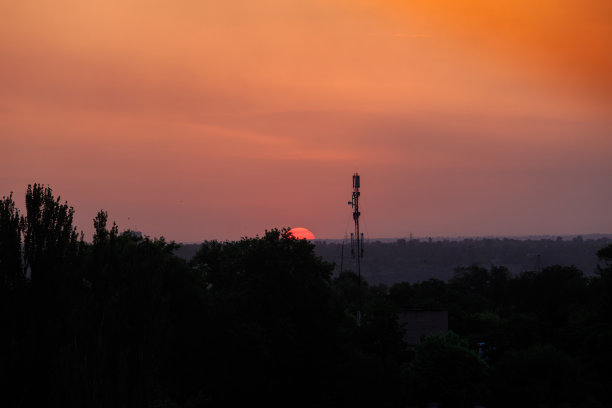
column 218, row 119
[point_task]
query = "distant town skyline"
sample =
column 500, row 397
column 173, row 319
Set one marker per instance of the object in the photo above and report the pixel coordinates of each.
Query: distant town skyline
column 221, row 119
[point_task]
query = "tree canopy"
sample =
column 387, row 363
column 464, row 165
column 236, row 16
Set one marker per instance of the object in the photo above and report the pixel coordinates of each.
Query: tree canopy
column 124, row 321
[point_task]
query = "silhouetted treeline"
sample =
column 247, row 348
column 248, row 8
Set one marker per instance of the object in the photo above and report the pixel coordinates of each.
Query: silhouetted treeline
column 417, row 260
column 123, row 321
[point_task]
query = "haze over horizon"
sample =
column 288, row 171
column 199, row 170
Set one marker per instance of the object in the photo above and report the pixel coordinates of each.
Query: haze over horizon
column 220, row 119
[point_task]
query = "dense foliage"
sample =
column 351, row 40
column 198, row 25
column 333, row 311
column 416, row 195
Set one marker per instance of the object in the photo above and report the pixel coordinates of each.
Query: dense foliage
column 123, row 321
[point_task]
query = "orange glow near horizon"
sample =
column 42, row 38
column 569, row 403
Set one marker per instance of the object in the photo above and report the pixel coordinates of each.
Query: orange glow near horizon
column 221, row 119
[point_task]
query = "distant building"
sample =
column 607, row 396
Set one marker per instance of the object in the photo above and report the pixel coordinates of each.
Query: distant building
column 417, row 323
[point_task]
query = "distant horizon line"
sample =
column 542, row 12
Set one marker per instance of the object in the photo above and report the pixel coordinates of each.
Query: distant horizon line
column 564, row 237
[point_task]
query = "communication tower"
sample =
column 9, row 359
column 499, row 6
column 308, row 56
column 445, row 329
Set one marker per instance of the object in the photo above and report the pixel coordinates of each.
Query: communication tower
column 356, row 237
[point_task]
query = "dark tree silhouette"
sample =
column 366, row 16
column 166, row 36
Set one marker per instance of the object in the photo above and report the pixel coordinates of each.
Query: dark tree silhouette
column 446, row 371
column 11, row 272
column 13, row 301
column 123, row 321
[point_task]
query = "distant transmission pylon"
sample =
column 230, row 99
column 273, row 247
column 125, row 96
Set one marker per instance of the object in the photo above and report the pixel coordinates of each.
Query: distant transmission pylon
column 342, row 255
column 356, row 238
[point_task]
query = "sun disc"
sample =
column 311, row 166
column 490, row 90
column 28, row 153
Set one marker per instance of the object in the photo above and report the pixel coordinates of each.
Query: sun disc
column 301, row 233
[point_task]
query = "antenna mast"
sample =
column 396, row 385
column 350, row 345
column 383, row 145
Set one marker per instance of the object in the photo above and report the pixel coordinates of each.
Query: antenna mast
column 357, row 239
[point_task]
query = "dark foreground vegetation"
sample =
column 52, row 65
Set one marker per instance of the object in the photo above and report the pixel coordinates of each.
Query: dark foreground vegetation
column 124, row 322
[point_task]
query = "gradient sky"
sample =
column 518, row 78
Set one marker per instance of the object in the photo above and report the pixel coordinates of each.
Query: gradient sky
column 220, row 119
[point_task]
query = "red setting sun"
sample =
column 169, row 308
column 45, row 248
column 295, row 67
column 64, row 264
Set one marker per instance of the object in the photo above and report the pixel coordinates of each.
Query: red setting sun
column 301, row 233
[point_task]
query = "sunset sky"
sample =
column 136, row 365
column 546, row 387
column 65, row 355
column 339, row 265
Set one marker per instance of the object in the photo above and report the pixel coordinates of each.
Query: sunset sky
column 219, row 119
